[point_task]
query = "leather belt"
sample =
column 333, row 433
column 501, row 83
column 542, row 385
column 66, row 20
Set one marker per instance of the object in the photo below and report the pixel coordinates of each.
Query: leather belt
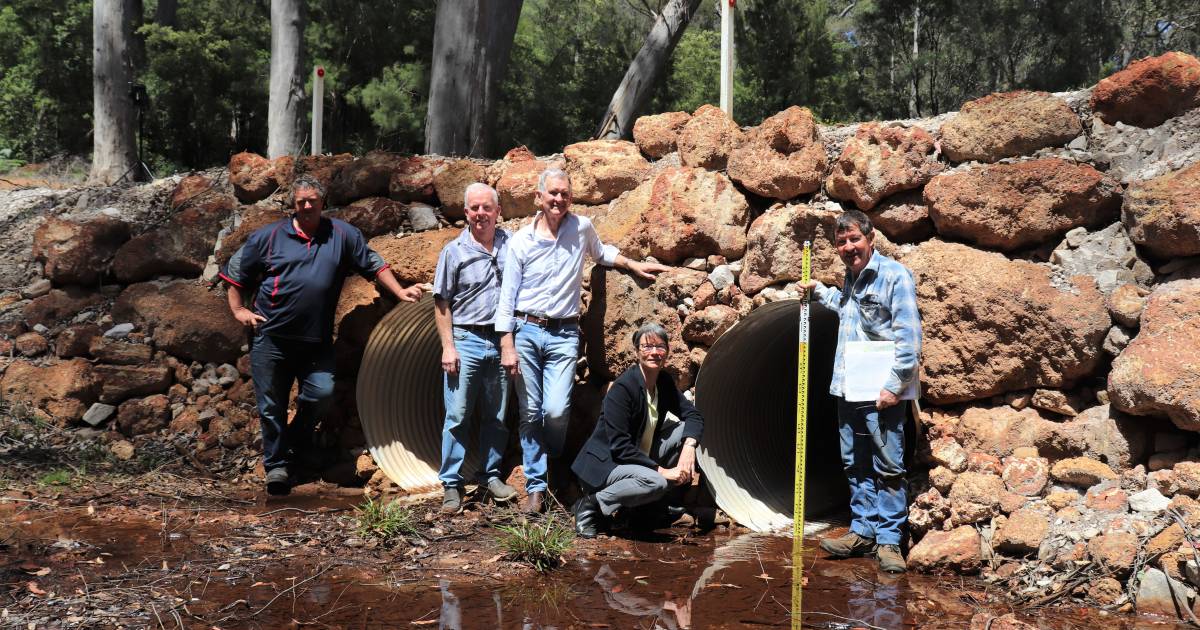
column 477, row 328
column 547, row 322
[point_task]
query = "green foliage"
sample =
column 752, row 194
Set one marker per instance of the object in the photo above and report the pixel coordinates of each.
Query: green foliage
column 56, row 477
column 540, row 544
column 396, row 101
column 384, row 521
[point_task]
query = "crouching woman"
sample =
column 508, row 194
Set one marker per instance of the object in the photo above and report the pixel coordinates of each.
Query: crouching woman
column 645, row 441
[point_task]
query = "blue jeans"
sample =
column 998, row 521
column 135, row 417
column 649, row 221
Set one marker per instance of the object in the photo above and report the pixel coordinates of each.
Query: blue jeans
column 276, row 363
column 547, row 358
column 479, row 384
column 872, row 444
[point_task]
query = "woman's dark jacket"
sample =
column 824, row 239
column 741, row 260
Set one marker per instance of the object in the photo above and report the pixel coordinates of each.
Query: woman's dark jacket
column 623, row 417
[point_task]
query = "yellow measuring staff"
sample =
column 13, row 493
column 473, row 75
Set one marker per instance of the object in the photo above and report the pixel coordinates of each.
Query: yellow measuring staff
column 801, row 442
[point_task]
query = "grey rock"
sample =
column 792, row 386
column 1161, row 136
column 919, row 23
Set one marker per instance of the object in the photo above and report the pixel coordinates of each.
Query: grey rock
column 36, row 289
column 721, row 277
column 1107, row 255
column 40, row 329
column 696, row 264
column 1117, row 338
column 120, row 331
column 1161, row 595
column 1150, row 500
column 207, row 414
column 226, row 375
column 98, row 413
column 422, row 217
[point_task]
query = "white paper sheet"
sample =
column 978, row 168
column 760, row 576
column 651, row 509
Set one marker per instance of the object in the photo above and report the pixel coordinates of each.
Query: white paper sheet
column 868, row 366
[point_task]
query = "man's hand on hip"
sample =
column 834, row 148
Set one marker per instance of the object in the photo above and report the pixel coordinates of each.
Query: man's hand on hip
column 886, row 399
column 248, row 317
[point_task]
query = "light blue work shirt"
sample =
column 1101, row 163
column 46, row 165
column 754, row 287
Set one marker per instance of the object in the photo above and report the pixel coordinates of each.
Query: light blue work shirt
column 468, row 278
column 880, row 305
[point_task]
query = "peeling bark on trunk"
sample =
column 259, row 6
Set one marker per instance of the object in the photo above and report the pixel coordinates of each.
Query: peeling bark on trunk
column 284, row 132
column 471, row 43
column 643, row 74
column 114, row 144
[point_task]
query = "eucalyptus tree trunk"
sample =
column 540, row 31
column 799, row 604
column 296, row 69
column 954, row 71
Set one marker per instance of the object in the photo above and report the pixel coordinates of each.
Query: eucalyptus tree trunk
column 471, row 43
column 114, row 144
column 914, row 109
column 285, row 135
column 643, row 74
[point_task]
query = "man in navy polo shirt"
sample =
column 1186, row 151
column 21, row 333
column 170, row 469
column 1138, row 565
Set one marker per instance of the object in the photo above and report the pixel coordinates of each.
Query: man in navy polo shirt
column 298, row 264
column 466, row 290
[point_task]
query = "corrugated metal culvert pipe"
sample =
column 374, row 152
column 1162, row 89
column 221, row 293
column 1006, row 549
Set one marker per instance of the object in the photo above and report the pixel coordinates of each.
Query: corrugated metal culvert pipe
column 746, row 390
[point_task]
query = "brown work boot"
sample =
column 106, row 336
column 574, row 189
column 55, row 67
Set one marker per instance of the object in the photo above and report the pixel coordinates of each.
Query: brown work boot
column 890, row 558
column 534, row 503
column 848, row 546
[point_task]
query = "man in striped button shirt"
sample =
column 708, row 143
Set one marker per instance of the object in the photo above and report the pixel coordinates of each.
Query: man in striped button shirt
column 877, row 303
column 466, row 290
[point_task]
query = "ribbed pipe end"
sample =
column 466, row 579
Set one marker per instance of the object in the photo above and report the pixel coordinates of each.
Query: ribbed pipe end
column 746, row 391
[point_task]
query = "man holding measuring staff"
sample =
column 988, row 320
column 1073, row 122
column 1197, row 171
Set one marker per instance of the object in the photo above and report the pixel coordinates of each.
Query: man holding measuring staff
column 874, row 369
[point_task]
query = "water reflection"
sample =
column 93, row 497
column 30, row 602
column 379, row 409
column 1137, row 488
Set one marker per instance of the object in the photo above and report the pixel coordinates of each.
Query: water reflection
column 672, row 613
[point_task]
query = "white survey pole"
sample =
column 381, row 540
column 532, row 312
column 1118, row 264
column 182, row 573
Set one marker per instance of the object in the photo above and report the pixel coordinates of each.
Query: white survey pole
column 727, row 7
column 318, row 108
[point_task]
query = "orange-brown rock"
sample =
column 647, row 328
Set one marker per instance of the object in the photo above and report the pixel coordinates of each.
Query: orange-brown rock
column 367, row 176
column 1114, row 551
column 985, row 621
column 775, row 246
column 144, row 415
column 975, row 497
column 1007, row 124
column 78, row 252
column 121, row 382
column 254, row 177
column 1163, row 214
column 253, row 218
column 706, row 326
column 1023, row 532
column 904, row 217
column 1011, row 206
column 323, row 168
column 1099, row 432
column 1035, row 333
column 619, row 304
column 59, row 304
column 1156, row 373
column 1026, row 476
column 63, row 390
column 954, row 551
column 1081, row 471
column 117, row 352
column 517, row 181
column 708, row 138
column 182, row 246
column 678, row 213
column 1149, row 90
column 373, row 215
column 30, row 344
column 880, row 161
column 781, row 158
column 451, row 184
column 187, row 320
column 413, row 258
column 1125, row 304
column 601, row 170
column 657, row 135
column 413, row 179
column 75, row 340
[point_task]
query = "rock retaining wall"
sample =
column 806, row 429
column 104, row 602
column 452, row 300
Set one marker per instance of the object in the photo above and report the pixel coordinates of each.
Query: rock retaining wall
column 1055, row 239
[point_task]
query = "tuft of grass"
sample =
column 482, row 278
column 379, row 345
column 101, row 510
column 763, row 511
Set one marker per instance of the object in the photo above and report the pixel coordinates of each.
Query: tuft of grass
column 57, row 477
column 385, row 521
column 540, row 544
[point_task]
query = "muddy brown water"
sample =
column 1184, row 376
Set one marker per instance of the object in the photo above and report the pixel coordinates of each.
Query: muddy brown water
column 671, row 580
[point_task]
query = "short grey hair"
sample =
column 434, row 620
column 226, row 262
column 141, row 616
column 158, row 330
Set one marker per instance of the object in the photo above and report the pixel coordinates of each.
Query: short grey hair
column 552, row 173
column 654, row 329
column 854, row 218
column 480, row 186
column 309, row 182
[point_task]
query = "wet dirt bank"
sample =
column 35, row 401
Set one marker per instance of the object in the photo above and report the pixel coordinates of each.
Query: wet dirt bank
column 164, row 556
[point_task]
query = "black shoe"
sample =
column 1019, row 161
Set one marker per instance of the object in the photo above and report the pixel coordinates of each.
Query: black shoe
column 587, row 516
column 278, row 483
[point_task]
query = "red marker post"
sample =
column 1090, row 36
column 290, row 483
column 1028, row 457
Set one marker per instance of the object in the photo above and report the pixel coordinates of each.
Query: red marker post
column 318, row 112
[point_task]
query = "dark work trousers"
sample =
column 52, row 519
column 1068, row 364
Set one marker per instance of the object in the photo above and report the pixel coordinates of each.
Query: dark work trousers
column 276, row 363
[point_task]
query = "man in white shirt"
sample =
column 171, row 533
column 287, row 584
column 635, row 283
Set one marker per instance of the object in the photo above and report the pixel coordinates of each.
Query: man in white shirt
column 539, row 319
